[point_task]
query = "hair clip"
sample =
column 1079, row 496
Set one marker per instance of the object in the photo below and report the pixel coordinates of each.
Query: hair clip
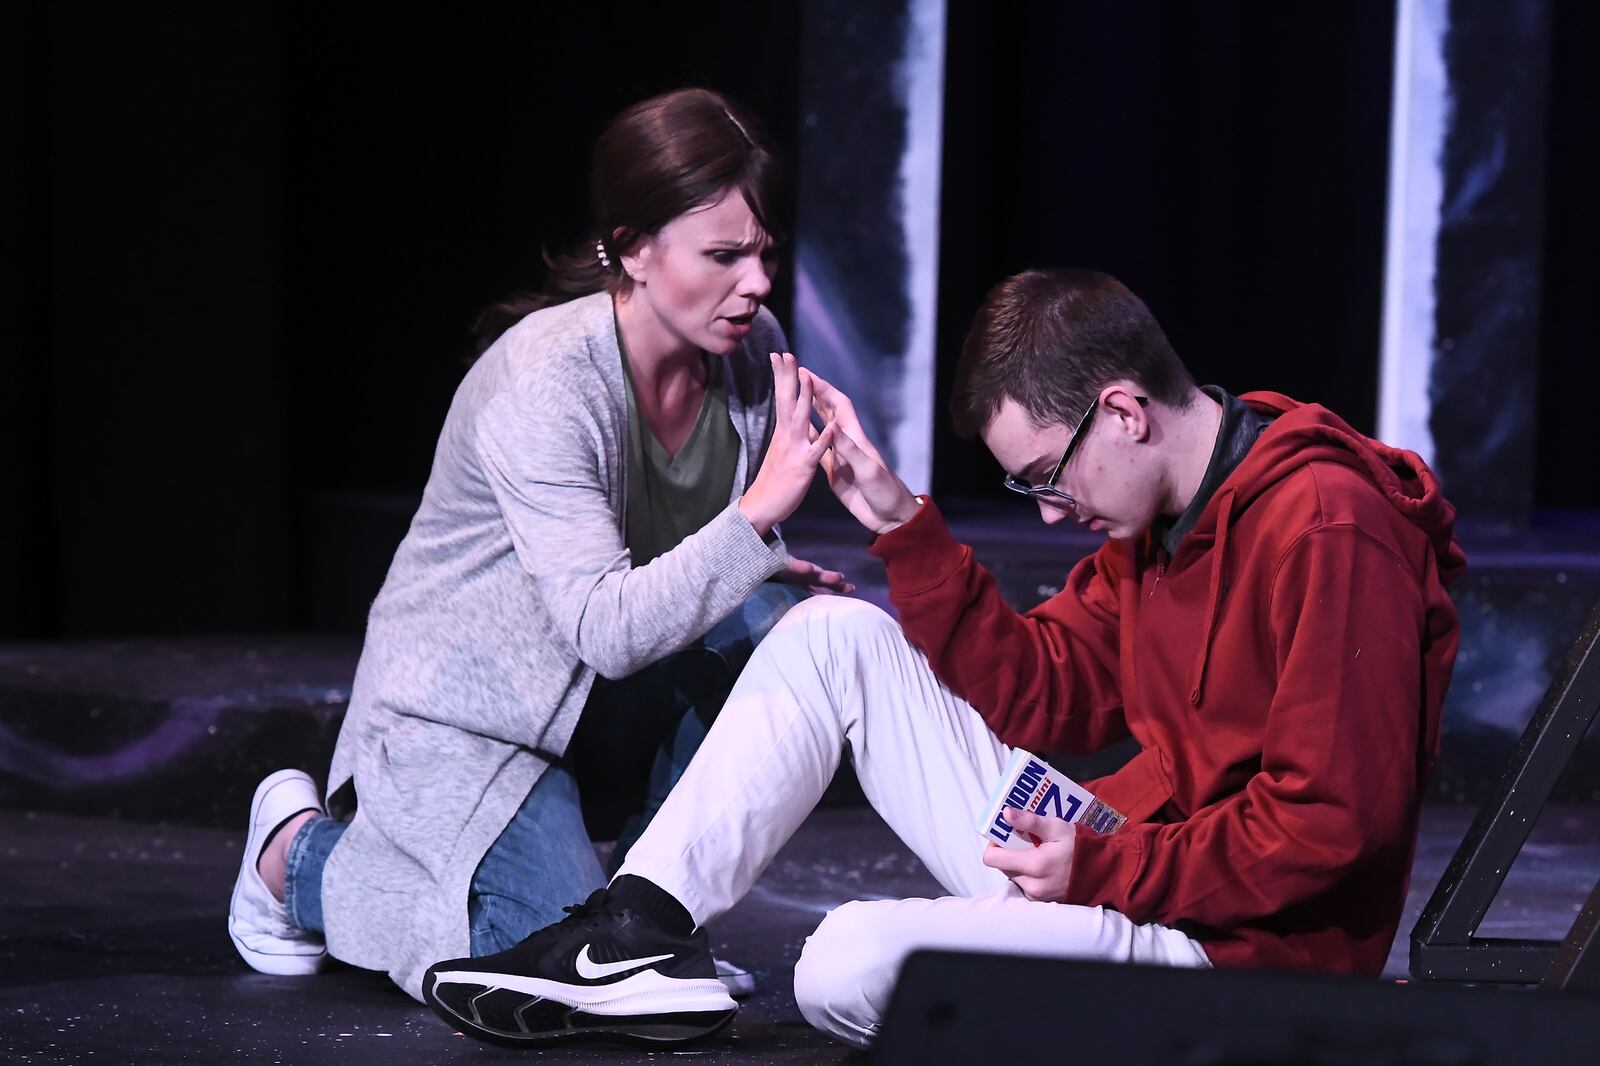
column 600, row 253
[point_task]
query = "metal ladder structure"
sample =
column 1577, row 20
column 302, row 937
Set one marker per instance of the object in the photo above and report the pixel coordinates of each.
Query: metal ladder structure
column 1444, row 943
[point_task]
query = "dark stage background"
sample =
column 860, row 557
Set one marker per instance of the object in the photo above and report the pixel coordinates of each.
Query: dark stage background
column 245, row 244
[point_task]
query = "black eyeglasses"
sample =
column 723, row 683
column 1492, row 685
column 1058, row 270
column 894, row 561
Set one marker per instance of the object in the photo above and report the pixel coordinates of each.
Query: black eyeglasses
column 1048, row 490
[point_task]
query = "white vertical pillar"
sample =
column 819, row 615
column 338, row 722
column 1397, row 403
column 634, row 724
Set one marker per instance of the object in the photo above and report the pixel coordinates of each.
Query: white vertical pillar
column 1420, row 116
column 867, row 218
column 922, row 76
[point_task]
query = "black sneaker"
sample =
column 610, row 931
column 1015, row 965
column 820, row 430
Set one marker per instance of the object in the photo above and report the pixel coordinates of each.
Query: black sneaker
column 603, row 971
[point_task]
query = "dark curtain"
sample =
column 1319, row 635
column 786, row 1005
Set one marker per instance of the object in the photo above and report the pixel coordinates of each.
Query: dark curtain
column 246, row 243
column 1226, row 160
column 250, row 242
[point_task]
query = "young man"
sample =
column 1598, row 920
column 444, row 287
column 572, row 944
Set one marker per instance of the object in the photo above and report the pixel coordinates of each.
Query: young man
column 1268, row 619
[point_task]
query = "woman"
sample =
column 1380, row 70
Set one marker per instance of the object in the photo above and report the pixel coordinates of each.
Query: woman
column 586, row 574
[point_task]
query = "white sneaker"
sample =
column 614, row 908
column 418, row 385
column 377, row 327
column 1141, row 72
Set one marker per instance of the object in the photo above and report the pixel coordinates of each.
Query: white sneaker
column 259, row 924
column 739, row 982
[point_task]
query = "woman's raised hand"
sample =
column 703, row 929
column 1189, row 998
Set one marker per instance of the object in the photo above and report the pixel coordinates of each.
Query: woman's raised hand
column 792, row 454
column 856, row 471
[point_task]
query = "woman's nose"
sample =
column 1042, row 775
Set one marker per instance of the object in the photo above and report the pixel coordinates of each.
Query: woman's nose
column 756, row 283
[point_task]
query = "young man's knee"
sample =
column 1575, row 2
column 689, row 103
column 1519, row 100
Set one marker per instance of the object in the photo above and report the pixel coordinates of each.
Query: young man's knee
column 844, row 971
column 835, row 620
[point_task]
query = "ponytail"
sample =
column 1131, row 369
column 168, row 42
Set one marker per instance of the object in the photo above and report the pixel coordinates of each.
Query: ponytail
column 576, row 272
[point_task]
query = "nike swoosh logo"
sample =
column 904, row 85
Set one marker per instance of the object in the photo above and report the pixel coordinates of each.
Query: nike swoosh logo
column 590, row 970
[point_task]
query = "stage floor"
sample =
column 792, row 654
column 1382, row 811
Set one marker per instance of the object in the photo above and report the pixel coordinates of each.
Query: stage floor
column 112, row 940
column 113, row 948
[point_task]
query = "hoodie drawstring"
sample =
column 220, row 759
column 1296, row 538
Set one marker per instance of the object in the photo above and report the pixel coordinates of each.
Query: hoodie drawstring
column 1214, row 596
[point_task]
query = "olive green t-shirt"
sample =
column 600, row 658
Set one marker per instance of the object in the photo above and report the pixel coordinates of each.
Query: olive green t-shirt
column 670, row 497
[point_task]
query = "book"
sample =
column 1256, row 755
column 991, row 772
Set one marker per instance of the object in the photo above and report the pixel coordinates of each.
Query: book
column 1031, row 784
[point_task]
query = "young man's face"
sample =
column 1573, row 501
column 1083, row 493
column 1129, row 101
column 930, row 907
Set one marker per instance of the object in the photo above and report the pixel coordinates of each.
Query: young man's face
column 1114, row 486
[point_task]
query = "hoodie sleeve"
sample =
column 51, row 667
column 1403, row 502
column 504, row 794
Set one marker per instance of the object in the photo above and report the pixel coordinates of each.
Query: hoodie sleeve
column 1338, row 771
column 1045, row 680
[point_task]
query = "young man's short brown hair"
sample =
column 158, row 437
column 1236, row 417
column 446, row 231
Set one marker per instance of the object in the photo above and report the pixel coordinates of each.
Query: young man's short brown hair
column 1051, row 340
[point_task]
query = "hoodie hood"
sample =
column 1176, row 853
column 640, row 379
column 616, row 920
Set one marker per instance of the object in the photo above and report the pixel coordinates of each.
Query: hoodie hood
column 1305, row 433
column 1301, row 434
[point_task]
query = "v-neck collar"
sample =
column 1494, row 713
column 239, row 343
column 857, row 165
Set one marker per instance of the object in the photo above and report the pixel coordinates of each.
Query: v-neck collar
column 652, row 443
column 697, row 432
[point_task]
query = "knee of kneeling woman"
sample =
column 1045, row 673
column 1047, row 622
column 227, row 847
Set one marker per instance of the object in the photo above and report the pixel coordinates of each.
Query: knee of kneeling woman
column 843, row 976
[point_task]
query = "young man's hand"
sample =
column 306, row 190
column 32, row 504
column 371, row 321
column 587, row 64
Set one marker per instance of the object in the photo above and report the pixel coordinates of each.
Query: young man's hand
column 1040, row 872
column 856, row 472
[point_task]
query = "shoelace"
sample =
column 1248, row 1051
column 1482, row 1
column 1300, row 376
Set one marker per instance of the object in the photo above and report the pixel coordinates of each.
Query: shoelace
column 590, row 909
column 583, row 915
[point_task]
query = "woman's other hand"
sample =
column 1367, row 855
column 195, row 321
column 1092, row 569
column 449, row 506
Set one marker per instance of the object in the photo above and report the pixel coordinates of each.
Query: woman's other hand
column 813, row 578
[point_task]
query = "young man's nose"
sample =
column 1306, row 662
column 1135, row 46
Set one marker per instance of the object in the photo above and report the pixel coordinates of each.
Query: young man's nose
column 1052, row 513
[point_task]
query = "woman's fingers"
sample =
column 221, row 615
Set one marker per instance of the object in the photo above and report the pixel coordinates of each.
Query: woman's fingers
column 820, row 442
column 792, row 399
column 835, row 581
column 785, row 386
column 802, row 403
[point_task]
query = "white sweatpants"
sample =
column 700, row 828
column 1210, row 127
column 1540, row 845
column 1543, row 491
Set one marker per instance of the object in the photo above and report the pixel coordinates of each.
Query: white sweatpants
column 839, row 672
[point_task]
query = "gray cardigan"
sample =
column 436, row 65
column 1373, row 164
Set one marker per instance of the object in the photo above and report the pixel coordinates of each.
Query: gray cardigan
column 510, row 592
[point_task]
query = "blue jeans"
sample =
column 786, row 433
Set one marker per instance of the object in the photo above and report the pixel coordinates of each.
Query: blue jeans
column 543, row 859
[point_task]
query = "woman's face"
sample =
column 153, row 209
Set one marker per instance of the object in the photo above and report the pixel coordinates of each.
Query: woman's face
column 704, row 274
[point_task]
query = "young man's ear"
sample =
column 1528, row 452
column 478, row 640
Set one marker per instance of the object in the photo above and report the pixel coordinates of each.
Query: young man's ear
column 1121, row 403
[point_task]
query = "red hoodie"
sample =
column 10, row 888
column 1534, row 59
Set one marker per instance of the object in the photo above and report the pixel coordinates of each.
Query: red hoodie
column 1283, row 674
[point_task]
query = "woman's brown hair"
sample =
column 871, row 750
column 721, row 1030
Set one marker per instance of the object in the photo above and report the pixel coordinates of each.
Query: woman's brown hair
column 659, row 159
